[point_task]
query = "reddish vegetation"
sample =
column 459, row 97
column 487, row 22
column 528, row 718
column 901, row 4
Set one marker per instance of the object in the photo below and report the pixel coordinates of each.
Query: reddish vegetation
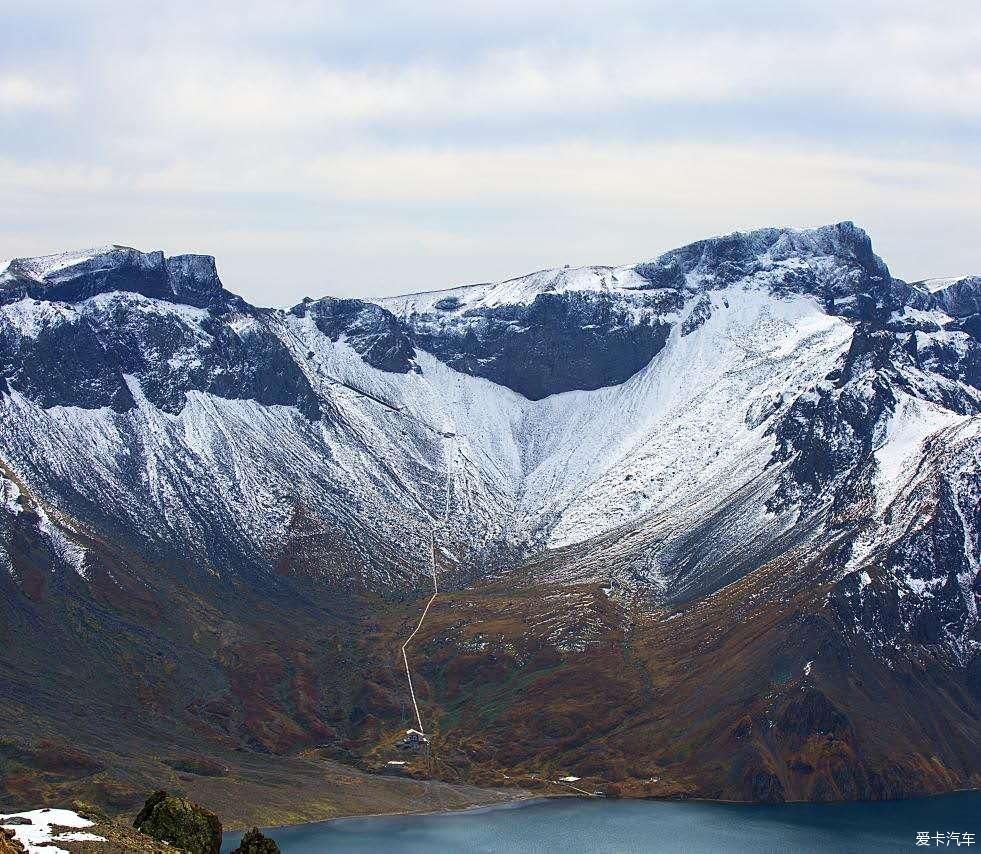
column 711, row 701
column 519, row 684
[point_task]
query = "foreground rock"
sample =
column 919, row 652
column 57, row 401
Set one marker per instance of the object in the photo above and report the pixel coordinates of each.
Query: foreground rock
column 119, row 837
column 181, row 823
column 254, row 842
column 9, row 845
column 83, row 829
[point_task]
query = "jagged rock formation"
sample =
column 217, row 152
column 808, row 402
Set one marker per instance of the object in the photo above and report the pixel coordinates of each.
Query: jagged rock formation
column 766, row 428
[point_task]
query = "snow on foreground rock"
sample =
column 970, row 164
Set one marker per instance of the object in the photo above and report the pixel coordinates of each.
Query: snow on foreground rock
column 46, row 828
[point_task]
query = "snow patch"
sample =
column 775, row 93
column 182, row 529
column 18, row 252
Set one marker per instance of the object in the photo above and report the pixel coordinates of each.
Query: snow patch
column 935, row 285
column 10, row 496
column 40, row 836
column 912, row 421
column 30, row 317
column 520, row 291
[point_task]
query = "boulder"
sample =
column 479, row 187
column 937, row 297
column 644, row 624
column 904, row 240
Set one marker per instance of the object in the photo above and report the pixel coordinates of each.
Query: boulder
column 181, row 823
column 9, row 845
column 254, row 842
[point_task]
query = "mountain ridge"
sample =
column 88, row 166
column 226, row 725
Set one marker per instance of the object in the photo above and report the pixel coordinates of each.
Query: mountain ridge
column 746, row 435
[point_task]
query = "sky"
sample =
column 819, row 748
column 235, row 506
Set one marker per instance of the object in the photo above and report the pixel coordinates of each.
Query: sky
column 371, row 148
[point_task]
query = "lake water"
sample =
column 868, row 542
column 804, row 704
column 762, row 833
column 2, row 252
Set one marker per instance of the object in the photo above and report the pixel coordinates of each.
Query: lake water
column 625, row 827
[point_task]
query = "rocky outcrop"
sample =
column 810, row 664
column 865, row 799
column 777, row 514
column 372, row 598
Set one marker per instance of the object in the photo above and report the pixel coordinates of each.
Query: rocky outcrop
column 254, row 842
column 8, row 844
column 72, row 277
column 370, row 330
column 958, row 297
column 101, row 352
column 831, row 261
column 179, row 822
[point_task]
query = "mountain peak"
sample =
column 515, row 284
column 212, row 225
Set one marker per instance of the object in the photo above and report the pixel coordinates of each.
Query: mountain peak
column 959, row 296
column 77, row 275
column 839, row 255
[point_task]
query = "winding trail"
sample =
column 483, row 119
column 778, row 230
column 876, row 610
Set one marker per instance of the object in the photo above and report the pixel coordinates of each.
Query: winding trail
column 436, row 524
column 450, row 461
column 408, row 640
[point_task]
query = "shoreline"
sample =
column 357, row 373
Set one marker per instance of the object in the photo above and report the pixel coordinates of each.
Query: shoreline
column 512, row 803
column 534, row 799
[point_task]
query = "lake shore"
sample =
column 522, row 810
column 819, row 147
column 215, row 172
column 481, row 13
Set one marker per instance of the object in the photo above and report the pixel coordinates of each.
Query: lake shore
column 524, row 798
column 518, row 802
column 632, row 825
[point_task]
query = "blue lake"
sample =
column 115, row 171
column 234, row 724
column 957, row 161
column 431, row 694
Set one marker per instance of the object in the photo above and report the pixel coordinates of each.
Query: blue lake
column 625, row 827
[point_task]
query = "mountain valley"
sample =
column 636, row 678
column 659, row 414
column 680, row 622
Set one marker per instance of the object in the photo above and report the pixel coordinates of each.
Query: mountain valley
column 705, row 526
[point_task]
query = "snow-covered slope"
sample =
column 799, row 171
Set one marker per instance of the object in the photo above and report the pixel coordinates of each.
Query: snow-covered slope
column 669, row 425
column 520, row 291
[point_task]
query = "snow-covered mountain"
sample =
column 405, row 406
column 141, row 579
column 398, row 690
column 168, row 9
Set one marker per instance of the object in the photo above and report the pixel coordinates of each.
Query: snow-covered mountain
column 667, row 428
column 778, row 378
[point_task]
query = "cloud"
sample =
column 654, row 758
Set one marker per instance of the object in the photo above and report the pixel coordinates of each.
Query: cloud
column 22, row 93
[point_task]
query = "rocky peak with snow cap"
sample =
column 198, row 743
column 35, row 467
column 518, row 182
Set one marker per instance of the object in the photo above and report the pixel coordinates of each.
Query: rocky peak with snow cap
column 833, row 263
column 584, row 328
column 959, row 296
column 833, row 260
column 110, row 326
column 75, row 276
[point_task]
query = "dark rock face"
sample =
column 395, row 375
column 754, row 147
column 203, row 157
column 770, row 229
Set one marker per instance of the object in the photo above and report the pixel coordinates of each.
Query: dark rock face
column 559, row 342
column 193, row 280
column 937, row 355
column 65, row 364
column 812, row 713
column 961, row 298
column 372, row 331
column 181, row 823
column 246, row 362
column 70, row 350
column 255, row 842
column 699, row 314
column 932, row 556
column 829, row 432
column 78, row 356
column 765, row 787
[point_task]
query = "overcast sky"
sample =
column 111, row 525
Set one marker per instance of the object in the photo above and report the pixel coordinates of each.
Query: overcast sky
column 371, row 147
